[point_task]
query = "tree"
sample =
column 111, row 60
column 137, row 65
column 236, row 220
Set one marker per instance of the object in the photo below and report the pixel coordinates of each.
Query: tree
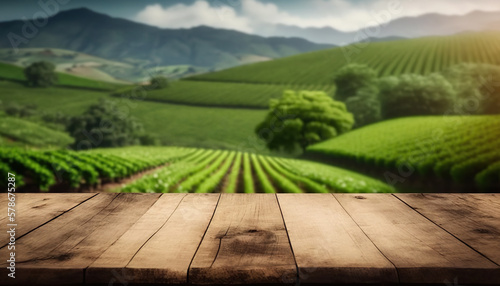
column 477, row 87
column 105, row 125
column 365, row 107
column 302, row 118
column 352, row 78
column 158, row 82
column 357, row 86
column 41, row 74
column 411, row 95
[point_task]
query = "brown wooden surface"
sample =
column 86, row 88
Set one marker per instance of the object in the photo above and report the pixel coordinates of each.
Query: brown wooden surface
column 246, row 242
column 338, row 251
column 421, row 251
column 127, row 239
column 474, row 219
column 37, row 209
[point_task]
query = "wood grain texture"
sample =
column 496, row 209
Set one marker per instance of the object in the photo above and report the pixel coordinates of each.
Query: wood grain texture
column 421, row 251
column 33, row 210
column 165, row 258
column 72, row 242
column 246, row 243
column 328, row 245
column 473, row 218
column 147, row 239
column 110, row 264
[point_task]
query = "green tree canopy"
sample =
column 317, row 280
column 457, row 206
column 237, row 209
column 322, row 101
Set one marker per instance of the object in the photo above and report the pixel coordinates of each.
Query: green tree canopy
column 477, row 87
column 105, row 125
column 411, row 95
column 357, row 86
column 365, row 107
column 41, row 74
column 352, row 78
column 158, row 82
column 302, row 118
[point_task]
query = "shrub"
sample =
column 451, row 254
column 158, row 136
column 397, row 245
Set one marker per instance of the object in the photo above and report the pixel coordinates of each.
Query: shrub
column 41, row 74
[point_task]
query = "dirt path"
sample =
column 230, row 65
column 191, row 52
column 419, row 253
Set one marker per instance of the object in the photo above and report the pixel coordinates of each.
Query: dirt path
column 111, row 187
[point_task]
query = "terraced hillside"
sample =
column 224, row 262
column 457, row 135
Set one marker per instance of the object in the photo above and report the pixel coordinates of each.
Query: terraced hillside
column 421, row 56
column 461, row 149
column 185, row 170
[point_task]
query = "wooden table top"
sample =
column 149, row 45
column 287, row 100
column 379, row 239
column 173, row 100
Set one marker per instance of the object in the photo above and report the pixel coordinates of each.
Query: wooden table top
column 219, row 239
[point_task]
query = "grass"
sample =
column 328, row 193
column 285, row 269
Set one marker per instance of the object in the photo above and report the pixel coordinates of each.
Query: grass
column 173, row 124
column 217, row 94
column 462, row 149
column 16, row 131
column 15, row 73
column 421, row 56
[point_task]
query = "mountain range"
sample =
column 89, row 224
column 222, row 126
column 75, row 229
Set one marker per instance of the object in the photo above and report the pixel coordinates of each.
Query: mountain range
column 93, row 33
column 200, row 49
column 405, row 27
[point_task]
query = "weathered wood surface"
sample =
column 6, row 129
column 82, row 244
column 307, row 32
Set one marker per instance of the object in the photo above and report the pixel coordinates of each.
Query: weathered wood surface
column 129, row 239
column 246, row 242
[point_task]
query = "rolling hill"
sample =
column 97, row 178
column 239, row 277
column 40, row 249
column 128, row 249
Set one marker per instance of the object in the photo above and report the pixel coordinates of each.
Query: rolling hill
column 85, row 31
column 15, row 73
column 461, row 151
column 17, row 131
column 92, row 67
column 421, row 56
column 173, row 124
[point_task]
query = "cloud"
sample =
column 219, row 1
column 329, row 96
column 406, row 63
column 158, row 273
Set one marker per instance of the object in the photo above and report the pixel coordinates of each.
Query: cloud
column 198, row 14
column 348, row 15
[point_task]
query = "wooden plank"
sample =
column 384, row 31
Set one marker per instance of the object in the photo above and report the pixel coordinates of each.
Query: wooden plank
column 328, row 245
column 118, row 256
column 166, row 256
column 473, row 218
column 245, row 243
column 421, row 251
column 66, row 246
column 33, row 210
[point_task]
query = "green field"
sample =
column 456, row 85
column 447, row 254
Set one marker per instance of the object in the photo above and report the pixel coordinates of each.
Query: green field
column 218, row 94
column 173, row 124
column 187, row 170
column 464, row 149
column 42, row 170
column 16, row 131
column 206, row 171
column 15, row 73
column 421, row 56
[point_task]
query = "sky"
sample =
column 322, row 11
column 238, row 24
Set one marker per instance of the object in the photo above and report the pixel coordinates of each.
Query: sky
column 248, row 15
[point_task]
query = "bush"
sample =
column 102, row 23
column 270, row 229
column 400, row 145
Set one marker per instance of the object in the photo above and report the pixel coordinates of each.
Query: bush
column 477, row 87
column 365, row 107
column 105, row 125
column 20, row 110
column 357, row 86
column 411, row 95
column 41, row 74
column 353, row 78
column 158, row 82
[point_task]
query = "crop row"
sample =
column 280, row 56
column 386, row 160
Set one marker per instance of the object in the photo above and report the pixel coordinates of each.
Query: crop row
column 463, row 149
column 207, row 171
column 42, row 170
column 421, row 56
